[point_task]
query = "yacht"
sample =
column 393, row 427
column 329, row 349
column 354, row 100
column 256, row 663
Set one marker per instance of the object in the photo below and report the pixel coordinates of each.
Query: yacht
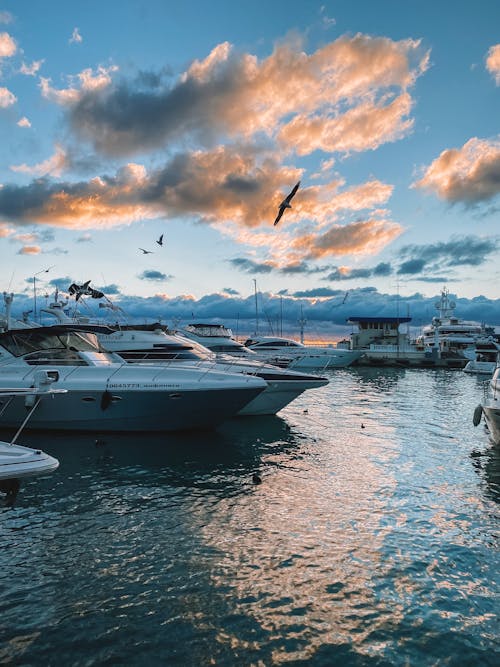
column 485, row 357
column 107, row 394
column 490, row 407
column 289, row 353
column 450, row 333
column 154, row 344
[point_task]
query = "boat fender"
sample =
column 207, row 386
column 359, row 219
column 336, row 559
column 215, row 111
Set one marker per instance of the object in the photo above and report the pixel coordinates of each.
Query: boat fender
column 106, row 400
column 477, row 415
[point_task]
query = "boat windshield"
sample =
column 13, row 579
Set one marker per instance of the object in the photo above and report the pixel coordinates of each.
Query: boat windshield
column 26, row 341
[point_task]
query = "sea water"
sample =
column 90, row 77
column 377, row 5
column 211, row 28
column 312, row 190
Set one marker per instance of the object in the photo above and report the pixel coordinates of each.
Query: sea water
column 371, row 540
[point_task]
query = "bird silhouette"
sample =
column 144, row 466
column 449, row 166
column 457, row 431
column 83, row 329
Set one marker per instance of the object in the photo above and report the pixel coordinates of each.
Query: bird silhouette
column 160, row 240
column 146, row 252
column 286, row 203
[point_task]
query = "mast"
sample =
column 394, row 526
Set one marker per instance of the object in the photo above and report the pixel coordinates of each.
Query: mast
column 302, row 322
column 256, row 308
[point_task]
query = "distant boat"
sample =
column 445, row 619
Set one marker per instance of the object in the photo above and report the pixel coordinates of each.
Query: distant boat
column 450, row 333
column 292, row 354
column 485, row 358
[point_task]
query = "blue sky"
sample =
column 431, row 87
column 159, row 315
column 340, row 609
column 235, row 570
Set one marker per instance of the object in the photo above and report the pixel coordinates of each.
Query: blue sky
column 121, row 121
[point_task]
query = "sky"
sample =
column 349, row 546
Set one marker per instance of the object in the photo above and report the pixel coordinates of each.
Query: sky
column 122, row 121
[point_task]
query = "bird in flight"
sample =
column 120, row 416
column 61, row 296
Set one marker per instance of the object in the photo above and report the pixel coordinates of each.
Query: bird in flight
column 160, row 240
column 146, row 252
column 286, row 203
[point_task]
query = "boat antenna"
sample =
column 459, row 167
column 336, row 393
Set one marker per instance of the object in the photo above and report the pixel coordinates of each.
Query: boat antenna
column 256, row 308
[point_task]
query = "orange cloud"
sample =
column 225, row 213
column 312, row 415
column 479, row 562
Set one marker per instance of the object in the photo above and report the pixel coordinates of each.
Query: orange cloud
column 30, row 250
column 352, row 94
column 493, row 62
column 8, row 46
column 469, row 174
column 365, row 237
column 364, row 127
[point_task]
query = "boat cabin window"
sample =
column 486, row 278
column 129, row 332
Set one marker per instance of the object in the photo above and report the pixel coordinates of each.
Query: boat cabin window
column 30, row 341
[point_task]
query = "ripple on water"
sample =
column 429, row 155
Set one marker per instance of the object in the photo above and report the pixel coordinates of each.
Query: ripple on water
column 371, row 540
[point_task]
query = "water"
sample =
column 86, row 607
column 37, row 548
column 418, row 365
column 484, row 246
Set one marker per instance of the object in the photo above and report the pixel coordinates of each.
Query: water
column 362, row 546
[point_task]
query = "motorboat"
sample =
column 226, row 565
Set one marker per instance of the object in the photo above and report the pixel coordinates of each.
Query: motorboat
column 485, row 358
column 489, row 408
column 18, row 461
column 154, row 344
column 451, row 334
column 107, row 394
column 217, row 338
column 290, row 353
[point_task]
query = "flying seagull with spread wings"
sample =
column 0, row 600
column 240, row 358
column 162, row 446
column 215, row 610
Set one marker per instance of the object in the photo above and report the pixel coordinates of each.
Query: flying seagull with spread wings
column 160, row 240
column 146, row 252
column 286, row 203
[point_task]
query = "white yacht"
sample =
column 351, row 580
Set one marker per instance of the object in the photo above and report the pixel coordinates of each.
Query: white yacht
column 450, row 333
column 485, row 357
column 151, row 344
column 290, row 353
column 106, row 394
column 490, row 408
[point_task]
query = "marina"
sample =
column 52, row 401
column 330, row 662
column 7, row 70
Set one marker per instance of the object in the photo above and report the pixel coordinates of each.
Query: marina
column 371, row 539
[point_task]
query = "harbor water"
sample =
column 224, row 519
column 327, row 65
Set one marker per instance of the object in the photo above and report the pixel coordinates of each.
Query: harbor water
column 372, row 538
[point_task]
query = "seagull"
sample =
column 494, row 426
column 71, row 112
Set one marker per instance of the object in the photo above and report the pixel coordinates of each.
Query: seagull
column 286, row 203
column 146, row 252
column 160, row 240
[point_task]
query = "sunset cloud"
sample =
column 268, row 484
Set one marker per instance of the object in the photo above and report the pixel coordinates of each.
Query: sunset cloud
column 31, row 70
column 470, row 174
column 23, row 122
column 362, row 237
column 7, row 99
column 75, row 38
column 8, row 46
column 53, row 166
column 30, row 250
column 351, row 94
column 493, row 62
column 86, row 81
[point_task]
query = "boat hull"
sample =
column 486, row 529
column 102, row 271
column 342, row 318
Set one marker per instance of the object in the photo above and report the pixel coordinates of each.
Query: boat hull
column 120, row 410
column 17, row 462
column 491, row 411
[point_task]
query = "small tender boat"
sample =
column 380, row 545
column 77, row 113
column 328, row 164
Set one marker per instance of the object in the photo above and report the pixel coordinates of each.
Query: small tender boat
column 17, row 462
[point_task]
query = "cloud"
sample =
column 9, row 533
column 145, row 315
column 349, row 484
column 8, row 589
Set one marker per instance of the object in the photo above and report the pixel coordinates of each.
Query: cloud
column 6, row 17
column 362, row 237
column 53, row 166
column 493, row 62
column 75, row 38
column 251, row 266
column 459, row 251
column 23, row 122
column 30, row 250
column 469, row 175
column 8, row 46
column 351, row 94
column 86, row 81
column 84, row 238
column 31, row 70
column 7, row 99
column 214, row 187
column 157, row 276
column 5, row 230
column 230, row 290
